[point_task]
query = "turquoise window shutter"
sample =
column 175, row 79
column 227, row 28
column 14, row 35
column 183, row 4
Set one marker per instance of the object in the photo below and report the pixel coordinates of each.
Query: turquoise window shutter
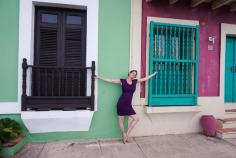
column 173, row 53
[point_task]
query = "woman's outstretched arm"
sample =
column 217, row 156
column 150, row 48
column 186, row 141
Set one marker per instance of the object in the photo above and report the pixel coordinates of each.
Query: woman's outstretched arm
column 108, row 80
column 146, row 78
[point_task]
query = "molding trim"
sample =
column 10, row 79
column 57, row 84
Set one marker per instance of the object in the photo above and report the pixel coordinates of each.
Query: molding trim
column 172, row 109
column 173, row 21
column 226, row 29
column 135, row 44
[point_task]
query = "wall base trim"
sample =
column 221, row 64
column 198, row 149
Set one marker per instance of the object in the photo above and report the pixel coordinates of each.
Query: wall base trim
column 172, row 109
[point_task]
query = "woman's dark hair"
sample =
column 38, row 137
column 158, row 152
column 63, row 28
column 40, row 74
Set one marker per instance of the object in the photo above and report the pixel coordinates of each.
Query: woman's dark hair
column 133, row 71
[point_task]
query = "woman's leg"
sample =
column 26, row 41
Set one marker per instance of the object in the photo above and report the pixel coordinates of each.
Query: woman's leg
column 121, row 127
column 121, row 123
column 133, row 122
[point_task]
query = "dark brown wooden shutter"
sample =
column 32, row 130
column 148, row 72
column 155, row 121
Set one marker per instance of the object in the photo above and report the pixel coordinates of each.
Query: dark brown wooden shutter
column 73, row 47
column 75, row 54
column 60, row 44
column 73, row 57
column 48, row 46
column 47, row 37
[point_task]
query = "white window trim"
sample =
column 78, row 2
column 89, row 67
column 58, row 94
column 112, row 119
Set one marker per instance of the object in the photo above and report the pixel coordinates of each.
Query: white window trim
column 26, row 36
column 226, row 29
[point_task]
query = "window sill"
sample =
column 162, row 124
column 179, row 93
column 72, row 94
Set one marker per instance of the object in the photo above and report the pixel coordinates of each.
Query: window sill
column 172, row 109
column 57, row 121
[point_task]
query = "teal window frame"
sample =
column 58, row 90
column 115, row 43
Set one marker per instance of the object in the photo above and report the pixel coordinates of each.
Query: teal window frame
column 173, row 53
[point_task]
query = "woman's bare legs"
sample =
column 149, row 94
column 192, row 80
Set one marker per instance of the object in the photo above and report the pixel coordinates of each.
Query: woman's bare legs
column 133, row 122
column 121, row 127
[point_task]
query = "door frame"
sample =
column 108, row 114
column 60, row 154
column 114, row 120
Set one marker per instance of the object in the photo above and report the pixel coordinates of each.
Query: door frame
column 226, row 30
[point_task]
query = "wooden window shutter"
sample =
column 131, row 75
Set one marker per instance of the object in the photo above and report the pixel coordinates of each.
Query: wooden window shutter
column 173, row 53
column 48, row 46
column 60, row 42
column 75, row 52
column 47, row 38
column 75, row 36
column 73, row 47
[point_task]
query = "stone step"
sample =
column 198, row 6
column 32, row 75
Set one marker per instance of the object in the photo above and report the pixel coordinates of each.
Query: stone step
column 226, row 132
column 230, row 110
column 226, row 123
column 230, row 113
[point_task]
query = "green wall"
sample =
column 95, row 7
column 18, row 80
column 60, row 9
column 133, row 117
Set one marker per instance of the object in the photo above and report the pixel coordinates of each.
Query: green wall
column 9, row 24
column 114, row 39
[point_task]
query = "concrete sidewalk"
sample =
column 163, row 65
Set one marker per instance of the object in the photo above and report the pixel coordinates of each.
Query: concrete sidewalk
column 166, row 146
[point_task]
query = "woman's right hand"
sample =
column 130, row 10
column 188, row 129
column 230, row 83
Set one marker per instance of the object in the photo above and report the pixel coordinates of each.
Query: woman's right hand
column 96, row 77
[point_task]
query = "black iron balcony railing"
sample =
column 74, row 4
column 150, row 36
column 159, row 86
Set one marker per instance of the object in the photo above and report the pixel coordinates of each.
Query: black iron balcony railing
column 57, row 88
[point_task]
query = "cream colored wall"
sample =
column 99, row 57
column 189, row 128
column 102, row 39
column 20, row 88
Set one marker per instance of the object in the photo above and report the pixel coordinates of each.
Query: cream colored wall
column 172, row 120
column 135, row 43
column 165, row 123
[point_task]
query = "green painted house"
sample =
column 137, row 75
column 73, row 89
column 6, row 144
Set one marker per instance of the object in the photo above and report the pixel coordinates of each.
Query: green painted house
column 93, row 25
column 51, row 49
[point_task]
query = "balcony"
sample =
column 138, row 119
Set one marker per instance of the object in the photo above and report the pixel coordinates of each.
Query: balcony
column 47, row 88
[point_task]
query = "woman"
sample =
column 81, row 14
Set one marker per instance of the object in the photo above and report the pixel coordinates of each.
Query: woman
column 124, row 107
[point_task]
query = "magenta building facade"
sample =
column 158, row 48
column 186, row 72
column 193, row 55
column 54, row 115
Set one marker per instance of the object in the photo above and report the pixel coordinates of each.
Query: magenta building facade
column 210, row 25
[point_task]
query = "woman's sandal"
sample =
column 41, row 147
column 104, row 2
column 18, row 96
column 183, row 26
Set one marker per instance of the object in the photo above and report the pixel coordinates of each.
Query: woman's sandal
column 129, row 140
column 124, row 137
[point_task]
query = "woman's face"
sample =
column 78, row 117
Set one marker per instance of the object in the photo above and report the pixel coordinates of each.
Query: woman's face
column 133, row 75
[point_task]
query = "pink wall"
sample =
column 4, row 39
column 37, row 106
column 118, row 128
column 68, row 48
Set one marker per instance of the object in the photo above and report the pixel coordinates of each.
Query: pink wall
column 209, row 60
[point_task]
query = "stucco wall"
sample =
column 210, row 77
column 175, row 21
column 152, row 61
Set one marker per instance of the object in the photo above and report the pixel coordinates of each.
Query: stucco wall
column 113, row 62
column 176, row 119
column 9, row 23
column 209, row 60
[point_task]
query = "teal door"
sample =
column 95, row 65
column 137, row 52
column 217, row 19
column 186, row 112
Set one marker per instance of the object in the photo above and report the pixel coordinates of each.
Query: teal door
column 230, row 70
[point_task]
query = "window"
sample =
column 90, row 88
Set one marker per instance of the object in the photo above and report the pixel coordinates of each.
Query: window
column 173, row 53
column 49, row 18
column 27, row 49
column 60, row 41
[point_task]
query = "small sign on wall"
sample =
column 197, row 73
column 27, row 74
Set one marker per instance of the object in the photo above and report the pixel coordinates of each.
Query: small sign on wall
column 210, row 47
column 211, row 40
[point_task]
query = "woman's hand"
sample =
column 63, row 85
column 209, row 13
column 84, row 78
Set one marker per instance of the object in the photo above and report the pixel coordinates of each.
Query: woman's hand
column 147, row 77
column 96, row 77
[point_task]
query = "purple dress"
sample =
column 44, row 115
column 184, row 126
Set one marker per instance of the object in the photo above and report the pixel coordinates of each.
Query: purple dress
column 124, row 107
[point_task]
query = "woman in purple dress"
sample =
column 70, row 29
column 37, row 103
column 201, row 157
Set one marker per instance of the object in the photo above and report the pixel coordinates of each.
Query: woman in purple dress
column 124, row 107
